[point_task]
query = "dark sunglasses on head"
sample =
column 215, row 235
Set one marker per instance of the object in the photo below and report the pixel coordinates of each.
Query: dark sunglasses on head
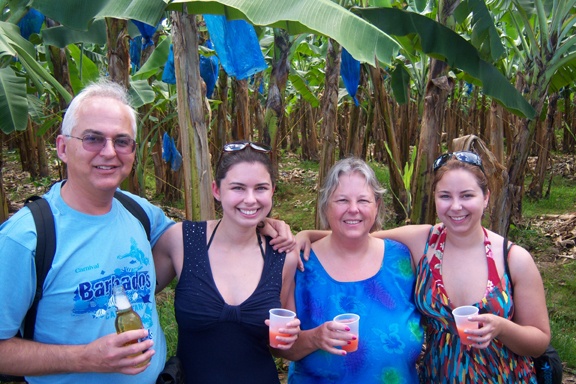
column 463, row 156
column 233, row 147
column 94, row 142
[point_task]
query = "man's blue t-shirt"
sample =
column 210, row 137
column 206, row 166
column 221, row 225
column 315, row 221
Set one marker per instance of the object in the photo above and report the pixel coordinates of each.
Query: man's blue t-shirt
column 93, row 253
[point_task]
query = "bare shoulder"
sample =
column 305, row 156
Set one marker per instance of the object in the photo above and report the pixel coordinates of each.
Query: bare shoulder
column 521, row 260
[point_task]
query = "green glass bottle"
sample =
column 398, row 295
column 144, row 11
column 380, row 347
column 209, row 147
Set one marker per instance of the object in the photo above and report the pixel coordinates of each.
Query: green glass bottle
column 126, row 318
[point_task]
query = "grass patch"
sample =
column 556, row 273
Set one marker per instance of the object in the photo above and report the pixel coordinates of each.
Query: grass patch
column 165, row 305
column 560, row 200
column 560, row 286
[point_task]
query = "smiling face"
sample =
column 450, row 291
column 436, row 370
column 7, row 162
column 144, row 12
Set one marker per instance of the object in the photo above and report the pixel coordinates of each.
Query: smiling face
column 95, row 172
column 460, row 202
column 351, row 209
column 245, row 193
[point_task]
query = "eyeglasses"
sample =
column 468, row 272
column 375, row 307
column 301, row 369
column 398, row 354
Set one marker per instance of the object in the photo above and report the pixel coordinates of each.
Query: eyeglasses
column 463, row 156
column 94, row 143
column 233, row 147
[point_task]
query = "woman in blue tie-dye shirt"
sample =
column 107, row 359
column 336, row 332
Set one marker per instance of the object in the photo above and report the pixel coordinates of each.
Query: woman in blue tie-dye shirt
column 351, row 271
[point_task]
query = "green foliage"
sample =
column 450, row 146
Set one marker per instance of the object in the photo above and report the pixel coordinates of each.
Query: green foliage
column 78, row 15
column 440, row 42
column 13, row 103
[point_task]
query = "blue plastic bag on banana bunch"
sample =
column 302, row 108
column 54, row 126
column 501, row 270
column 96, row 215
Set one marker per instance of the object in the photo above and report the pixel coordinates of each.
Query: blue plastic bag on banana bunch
column 170, row 153
column 237, row 46
column 350, row 72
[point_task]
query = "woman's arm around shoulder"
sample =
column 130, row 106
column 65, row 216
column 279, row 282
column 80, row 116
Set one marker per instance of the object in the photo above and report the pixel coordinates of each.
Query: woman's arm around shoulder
column 413, row 236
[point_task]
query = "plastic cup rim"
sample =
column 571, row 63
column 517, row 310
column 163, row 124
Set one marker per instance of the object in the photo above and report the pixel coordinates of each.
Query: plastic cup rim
column 288, row 313
column 353, row 315
column 473, row 308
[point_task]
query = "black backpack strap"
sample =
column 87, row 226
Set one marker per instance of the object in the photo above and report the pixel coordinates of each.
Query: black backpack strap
column 135, row 209
column 45, row 250
column 505, row 250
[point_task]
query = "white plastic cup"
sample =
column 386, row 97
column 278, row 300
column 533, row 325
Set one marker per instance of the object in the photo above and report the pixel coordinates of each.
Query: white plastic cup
column 352, row 320
column 279, row 317
column 461, row 315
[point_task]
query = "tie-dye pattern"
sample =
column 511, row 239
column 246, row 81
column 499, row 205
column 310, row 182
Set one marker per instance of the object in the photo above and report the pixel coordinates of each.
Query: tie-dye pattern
column 447, row 360
column 391, row 336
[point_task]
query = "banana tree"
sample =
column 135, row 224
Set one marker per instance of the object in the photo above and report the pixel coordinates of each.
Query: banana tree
column 76, row 18
column 460, row 54
column 547, row 53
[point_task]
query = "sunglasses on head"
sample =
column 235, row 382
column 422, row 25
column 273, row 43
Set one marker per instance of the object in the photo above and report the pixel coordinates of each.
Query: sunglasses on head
column 234, row 147
column 463, row 156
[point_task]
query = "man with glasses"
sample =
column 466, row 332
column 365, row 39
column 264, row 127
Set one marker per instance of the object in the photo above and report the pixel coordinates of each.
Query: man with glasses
column 100, row 244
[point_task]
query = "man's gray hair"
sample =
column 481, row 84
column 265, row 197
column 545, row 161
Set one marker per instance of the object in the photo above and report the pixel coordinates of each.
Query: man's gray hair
column 101, row 88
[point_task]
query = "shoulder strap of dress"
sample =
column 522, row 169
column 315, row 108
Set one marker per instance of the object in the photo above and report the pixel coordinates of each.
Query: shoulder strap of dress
column 212, row 235
column 428, row 240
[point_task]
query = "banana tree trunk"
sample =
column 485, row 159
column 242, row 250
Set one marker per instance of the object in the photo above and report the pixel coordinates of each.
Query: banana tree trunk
column 368, row 131
column 353, row 142
column 438, row 87
column 118, row 55
column 544, row 138
column 342, row 121
column 256, row 107
column 509, row 202
column 60, row 68
column 568, row 135
column 220, row 134
column 118, row 52
column 274, row 112
column 496, row 131
column 437, row 90
column 452, row 113
column 393, row 155
column 308, row 132
column 165, row 183
column 3, row 198
column 241, row 110
column 29, row 151
column 199, row 203
column 329, row 112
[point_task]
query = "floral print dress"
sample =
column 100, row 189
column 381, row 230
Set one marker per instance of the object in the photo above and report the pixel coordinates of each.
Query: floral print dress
column 446, row 359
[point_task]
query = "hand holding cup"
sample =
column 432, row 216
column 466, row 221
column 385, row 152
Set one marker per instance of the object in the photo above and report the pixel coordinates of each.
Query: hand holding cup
column 352, row 320
column 279, row 318
column 461, row 315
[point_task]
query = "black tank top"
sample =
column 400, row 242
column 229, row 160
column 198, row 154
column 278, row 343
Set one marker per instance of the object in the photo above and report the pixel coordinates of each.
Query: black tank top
column 217, row 342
